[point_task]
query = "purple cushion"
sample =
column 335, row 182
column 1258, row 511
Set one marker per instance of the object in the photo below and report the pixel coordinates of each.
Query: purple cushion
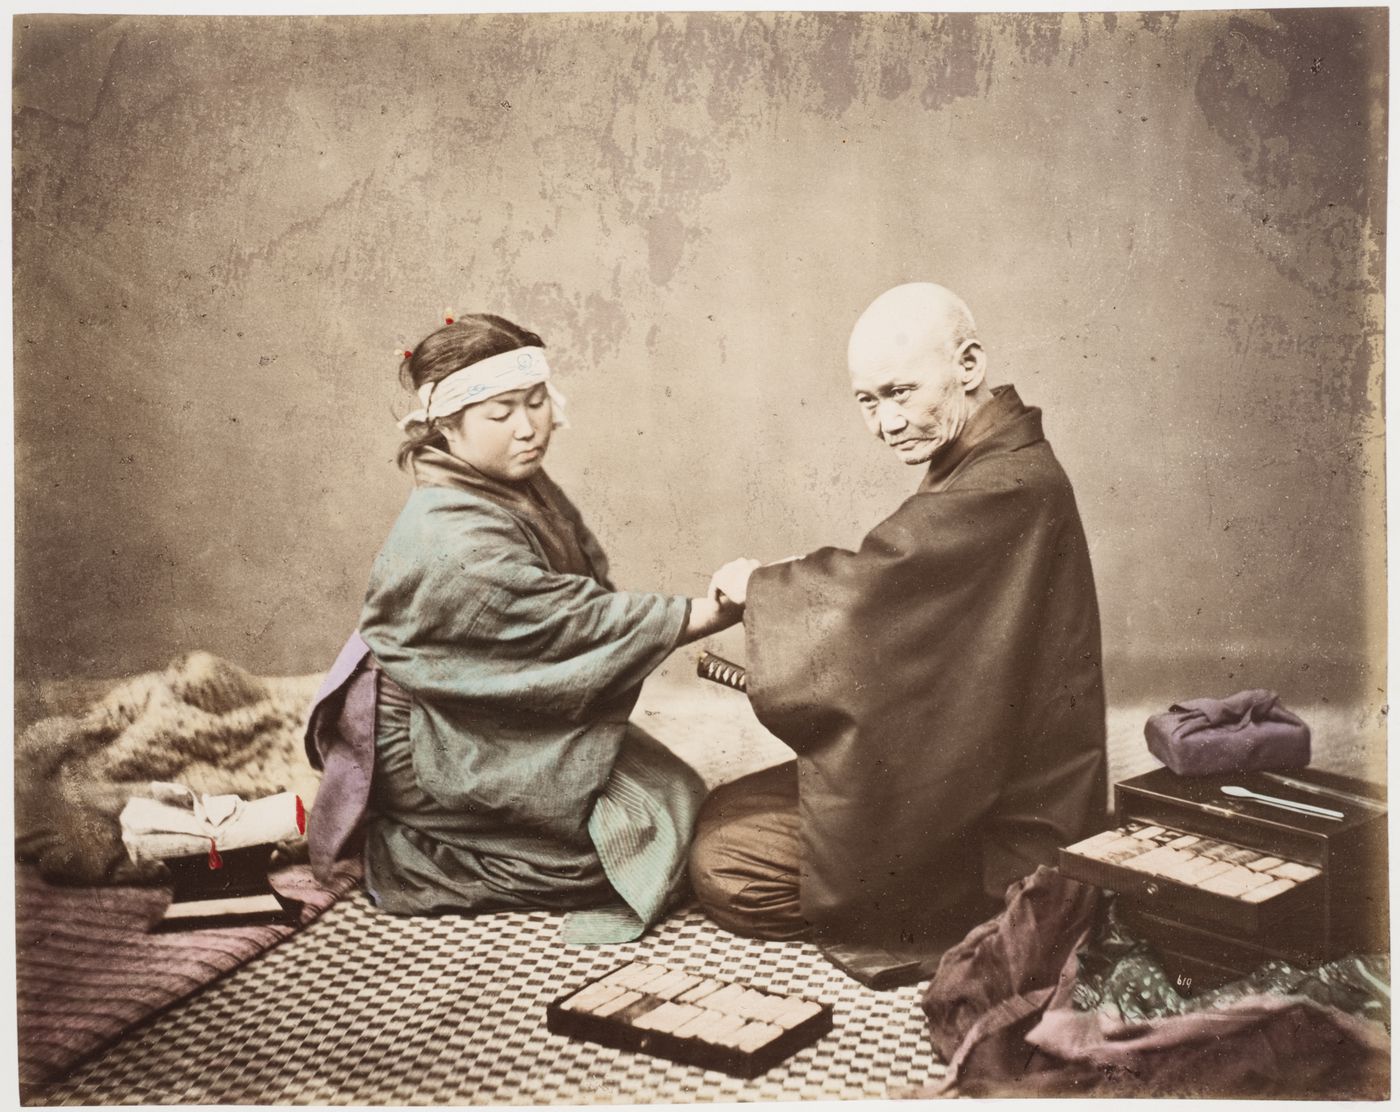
column 1245, row 731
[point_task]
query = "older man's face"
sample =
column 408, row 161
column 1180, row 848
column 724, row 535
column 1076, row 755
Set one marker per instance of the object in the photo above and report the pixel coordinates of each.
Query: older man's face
column 914, row 402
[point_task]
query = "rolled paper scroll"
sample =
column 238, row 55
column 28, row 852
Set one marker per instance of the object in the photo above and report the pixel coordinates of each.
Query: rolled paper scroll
column 174, row 822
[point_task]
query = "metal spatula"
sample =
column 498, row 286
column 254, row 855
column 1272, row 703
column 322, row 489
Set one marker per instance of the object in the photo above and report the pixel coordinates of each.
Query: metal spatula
column 1286, row 804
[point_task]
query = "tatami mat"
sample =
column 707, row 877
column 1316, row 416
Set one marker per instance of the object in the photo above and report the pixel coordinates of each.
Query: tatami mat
column 363, row 1008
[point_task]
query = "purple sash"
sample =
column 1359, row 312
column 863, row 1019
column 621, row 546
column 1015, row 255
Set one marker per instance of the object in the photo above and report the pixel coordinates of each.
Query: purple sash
column 340, row 742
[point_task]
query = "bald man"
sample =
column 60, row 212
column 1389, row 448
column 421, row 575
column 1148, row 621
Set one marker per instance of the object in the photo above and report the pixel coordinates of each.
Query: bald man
column 941, row 686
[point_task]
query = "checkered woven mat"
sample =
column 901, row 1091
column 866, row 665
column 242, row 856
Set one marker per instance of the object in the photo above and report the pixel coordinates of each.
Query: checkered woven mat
column 364, row 1008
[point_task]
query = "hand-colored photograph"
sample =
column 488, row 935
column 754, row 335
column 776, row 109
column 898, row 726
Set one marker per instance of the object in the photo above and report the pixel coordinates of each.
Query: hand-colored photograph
column 667, row 557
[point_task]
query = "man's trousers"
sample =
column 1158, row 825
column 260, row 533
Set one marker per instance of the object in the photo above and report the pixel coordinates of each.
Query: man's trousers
column 746, row 857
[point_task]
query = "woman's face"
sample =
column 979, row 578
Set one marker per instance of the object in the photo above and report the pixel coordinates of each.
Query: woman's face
column 504, row 437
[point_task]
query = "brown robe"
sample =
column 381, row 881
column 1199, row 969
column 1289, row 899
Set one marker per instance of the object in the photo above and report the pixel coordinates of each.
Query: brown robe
column 943, row 691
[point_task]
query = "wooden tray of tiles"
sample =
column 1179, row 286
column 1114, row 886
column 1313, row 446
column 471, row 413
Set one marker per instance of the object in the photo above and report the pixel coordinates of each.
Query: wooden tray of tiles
column 687, row 1017
column 1195, row 877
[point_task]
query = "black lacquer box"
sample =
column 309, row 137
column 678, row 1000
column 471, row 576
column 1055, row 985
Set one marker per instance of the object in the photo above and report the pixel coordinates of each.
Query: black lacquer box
column 1220, row 883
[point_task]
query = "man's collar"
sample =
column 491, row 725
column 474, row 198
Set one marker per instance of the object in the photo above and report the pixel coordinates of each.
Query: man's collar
column 999, row 417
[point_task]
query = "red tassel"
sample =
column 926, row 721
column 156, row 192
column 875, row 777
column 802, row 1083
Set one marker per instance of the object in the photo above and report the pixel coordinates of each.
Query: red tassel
column 215, row 861
column 301, row 816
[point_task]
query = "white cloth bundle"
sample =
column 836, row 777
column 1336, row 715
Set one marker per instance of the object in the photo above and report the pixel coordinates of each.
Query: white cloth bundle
column 174, row 822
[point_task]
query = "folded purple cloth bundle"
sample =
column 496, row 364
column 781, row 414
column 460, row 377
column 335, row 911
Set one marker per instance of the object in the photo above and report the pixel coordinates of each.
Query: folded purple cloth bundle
column 1242, row 732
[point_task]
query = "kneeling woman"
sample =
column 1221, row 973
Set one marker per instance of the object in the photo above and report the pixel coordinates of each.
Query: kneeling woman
column 496, row 672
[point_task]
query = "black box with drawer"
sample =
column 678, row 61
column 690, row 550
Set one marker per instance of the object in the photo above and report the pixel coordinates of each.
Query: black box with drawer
column 1218, row 885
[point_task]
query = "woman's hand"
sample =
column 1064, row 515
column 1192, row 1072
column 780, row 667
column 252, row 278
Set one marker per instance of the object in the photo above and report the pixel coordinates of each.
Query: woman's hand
column 731, row 582
column 708, row 615
column 720, row 609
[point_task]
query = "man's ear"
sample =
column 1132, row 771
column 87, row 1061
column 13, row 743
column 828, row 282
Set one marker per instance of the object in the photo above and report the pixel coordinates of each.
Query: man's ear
column 972, row 365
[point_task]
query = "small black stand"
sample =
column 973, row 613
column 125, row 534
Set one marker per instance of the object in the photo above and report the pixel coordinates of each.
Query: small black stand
column 224, row 889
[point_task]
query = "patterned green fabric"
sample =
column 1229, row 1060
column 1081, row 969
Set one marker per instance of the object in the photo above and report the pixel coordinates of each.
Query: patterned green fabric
column 1121, row 975
column 510, row 776
column 641, row 827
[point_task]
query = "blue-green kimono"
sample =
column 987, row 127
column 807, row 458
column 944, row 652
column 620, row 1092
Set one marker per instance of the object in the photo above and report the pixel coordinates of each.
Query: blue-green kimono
column 506, row 772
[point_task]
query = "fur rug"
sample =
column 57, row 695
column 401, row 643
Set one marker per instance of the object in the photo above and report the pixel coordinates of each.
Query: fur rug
column 203, row 722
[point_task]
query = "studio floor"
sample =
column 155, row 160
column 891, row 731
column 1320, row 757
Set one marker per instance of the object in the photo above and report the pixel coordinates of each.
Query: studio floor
column 364, row 1008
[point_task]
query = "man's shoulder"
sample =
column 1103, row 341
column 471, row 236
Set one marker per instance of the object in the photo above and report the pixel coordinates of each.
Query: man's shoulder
column 997, row 493
column 1032, row 461
column 1005, row 469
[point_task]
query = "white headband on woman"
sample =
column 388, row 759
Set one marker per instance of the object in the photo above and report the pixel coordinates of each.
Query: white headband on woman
column 483, row 380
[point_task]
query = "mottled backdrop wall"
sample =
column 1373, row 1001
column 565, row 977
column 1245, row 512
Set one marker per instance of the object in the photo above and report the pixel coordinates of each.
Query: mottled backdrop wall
column 1170, row 227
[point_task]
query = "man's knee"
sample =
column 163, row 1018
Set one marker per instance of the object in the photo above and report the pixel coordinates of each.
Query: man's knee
column 744, row 862
column 744, row 900
column 717, row 884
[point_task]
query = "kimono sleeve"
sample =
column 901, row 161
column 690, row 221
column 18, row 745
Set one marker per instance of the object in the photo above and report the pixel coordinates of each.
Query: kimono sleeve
column 485, row 620
column 898, row 654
